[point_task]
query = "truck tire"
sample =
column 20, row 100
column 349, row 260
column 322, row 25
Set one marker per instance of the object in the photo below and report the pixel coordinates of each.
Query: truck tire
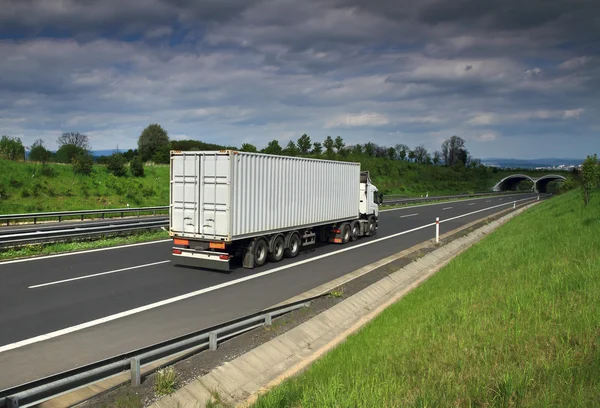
column 371, row 230
column 261, row 249
column 346, row 233
column 294, row 245
column 278, row 249
column 355, row 228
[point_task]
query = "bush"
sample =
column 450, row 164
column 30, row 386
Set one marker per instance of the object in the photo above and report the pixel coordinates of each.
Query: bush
column 83, row 164
column 116, row 165
column 25, row 193
column 39, row 153
column 48, row 171
column 162, row 155
column 68, row 153
column 11, row 148
column 137, row 167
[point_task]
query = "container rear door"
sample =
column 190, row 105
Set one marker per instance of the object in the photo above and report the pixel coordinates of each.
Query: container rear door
column 200, row 195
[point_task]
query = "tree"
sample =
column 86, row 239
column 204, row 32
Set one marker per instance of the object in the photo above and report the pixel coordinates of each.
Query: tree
column 291, row 149
column 304, row 144
column 392, row 153
column 162, row 155
column 116, row 164
column 273, row 148
column 74, row 138
column 411, row 155
column 369, row 149
column 437, row 157
column 66, row 153
column 328, row 144
column 137, row 166
column 249, row 148
column 451, row 150
column 39, row 153
column 11, row 148
column 339, row 144
column 590, row 173
column 151, row 140
column 421, row 154
column 317, row 148
column 402, row 150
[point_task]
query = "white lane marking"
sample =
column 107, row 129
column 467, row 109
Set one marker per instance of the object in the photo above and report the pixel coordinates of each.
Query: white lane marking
column 447, row 208
column 408, row 215
column 97, row 274
column 472, row 203
column 488, row 201
column 408, row 207
column 37, row 258
column 164, row 302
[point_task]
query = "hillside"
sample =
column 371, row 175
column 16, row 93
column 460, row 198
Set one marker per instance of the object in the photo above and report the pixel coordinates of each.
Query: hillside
column 27, row 187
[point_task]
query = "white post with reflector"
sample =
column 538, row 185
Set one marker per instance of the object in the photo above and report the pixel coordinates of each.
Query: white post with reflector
column 437, row 229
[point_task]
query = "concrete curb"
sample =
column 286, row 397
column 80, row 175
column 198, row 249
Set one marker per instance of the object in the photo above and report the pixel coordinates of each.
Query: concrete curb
column 242, row 380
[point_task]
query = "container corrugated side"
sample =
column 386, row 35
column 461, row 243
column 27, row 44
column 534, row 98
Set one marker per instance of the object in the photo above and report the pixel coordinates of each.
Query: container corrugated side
column 271, row 193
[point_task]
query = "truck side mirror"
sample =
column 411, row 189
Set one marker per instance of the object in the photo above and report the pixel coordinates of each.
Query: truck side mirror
column 380, row 198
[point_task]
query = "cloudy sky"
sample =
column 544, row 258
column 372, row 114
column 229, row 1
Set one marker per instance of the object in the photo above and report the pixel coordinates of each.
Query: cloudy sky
column 513, row 78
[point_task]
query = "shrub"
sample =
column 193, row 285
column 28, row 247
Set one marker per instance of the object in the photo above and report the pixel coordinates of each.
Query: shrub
column 137, row 167
column 83, row 164
column 39, row 153
column 116, row 165
column 48, row 171
column 25, row 193
column 11, row 148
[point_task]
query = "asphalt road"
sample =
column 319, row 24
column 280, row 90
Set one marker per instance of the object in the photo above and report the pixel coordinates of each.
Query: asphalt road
column 121, row 287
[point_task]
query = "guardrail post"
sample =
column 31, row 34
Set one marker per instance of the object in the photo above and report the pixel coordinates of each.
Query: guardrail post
column 135, row 372
column 212, row 341
column 268, row 319
column 35, row 220
column 437, row 229
column 59, row 218
column 514, row 204
column 12, row 402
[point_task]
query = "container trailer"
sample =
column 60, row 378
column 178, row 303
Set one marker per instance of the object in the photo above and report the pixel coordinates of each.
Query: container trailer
column 228, row 205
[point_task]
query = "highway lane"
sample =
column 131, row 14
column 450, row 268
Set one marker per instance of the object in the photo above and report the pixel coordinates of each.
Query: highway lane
column 31, row 312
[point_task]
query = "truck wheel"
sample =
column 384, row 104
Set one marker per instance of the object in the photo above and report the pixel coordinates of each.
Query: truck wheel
column 278, row 249
column 371, row 226
column 355, row 231
column 261, row 249
column 294, row 246
column 346, row 233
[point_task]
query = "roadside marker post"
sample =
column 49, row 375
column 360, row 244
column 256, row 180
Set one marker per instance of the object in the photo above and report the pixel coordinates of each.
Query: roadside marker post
column 437, row 229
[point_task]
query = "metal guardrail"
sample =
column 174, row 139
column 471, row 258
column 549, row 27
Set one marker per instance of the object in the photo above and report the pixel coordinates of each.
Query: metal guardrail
column 58, row 233
column 60, row 215
column 37, row 391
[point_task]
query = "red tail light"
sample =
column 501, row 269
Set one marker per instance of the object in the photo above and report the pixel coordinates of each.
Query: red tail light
column 337, row 231
column 177, row 251
column 224, row 257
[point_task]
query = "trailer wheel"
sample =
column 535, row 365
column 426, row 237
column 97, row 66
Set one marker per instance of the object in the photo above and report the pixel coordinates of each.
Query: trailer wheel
column 355, row 231
column 278, row 249
column 346, row 233
column 261, row 249
column 294, row 245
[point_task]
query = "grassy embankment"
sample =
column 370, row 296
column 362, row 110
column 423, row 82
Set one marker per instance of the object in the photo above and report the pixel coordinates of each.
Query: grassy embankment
column 514, row 321
column 25, row 188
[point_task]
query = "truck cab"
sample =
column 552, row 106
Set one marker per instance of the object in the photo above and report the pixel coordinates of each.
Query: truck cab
column 370, row 198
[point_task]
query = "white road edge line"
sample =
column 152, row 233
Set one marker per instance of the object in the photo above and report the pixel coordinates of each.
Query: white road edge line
column 38, row 258
column 408, row 215
column 97, row 274
column 164, row 302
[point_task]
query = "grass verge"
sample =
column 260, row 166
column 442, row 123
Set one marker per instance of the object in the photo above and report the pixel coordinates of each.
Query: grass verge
column 513, row 321
column 55, row 248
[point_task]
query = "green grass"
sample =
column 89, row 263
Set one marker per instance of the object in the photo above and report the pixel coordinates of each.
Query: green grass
column 26, row 187
column 30, row 187
column 49, row 249
column 513, row 321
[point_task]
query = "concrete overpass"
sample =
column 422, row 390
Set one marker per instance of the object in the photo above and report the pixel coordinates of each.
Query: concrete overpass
column 540, row 185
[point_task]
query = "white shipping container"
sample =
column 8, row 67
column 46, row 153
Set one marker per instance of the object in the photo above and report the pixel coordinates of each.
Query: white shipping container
column 233, row 195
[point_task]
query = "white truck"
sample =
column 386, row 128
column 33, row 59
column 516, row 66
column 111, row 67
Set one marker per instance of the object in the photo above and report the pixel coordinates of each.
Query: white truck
column 228, row 205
